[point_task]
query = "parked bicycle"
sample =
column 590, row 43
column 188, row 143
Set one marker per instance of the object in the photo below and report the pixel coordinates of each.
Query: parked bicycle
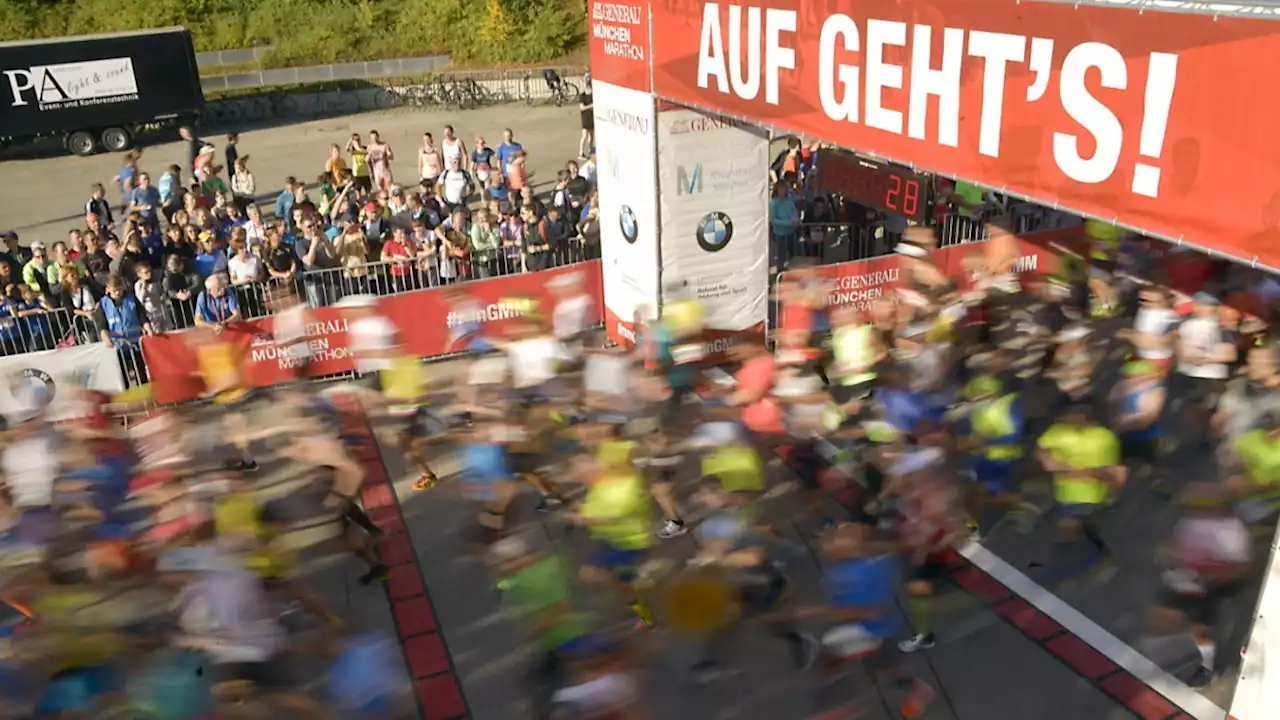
column 563, row 92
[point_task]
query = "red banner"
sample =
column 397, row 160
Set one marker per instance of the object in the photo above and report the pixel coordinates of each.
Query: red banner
column 620, row 43
column 862, row 282
column 1141, row 117
column 432, row 323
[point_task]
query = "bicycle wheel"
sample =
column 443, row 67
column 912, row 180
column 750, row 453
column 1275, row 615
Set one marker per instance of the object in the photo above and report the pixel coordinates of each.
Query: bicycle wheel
column 383, row 99
column 567, row 94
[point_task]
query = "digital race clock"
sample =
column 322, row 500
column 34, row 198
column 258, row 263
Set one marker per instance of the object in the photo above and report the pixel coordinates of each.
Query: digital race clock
column 878, row 185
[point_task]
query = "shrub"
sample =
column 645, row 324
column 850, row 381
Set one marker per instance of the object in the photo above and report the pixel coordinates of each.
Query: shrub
column 314, row 32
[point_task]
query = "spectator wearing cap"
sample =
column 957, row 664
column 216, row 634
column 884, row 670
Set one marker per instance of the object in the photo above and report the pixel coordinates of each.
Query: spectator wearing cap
column 34, row 273
column 124, row 325
column 215, row 307
column 210, row 260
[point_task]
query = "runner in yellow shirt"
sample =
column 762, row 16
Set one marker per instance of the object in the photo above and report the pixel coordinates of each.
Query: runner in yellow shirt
column 618, row 511
column 1087, row 466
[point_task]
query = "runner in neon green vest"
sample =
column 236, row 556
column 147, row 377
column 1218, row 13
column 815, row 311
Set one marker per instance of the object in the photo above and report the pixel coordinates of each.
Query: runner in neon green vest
column 1257, row 457
column 994, row 431
column 1085, row 461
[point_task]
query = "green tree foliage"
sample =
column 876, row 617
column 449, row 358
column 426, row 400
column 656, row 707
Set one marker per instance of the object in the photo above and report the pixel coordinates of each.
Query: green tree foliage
column 309, row 32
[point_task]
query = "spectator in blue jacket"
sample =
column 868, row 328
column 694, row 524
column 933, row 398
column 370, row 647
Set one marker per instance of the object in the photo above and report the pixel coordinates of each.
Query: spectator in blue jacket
column 125, row 324
column 216, row 308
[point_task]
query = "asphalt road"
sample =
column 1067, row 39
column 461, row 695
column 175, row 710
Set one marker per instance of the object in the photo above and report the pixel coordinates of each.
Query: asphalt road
column 45, row 195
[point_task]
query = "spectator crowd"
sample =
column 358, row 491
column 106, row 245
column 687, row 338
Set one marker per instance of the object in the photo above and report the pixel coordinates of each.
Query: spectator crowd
column 205, row 245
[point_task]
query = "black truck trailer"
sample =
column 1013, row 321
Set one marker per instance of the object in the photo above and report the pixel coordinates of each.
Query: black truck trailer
column 97, row 92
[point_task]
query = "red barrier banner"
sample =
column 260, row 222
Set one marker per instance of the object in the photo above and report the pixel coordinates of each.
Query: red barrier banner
column 432, row 323
column 862, row 282
column 1140, row 117
column 619, row 34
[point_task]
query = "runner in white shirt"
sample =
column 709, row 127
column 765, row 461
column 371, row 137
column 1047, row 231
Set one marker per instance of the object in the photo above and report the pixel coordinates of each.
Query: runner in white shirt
column 1152, row 334
column 380, row 157
column 1204, row 355
column 453, row 149
column 29, row 462
column 533, row 355
column 573, row 306
column 289, row 328
column 372, row 338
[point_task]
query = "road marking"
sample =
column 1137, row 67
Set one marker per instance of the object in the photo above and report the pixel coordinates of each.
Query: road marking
column 1087, row 647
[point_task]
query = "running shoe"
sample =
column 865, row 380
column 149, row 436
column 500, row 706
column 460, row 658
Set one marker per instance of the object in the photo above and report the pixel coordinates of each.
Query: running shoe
column 425, row 482
column 546, row 504
column 672, row 528
column 376, row 573
column 921, row 641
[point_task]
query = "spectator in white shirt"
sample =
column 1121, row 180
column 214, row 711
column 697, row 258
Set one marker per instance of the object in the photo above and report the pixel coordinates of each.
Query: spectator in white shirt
column 243, row 186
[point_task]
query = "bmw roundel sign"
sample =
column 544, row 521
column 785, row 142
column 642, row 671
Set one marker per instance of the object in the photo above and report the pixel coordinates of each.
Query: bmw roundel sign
column 714, row 231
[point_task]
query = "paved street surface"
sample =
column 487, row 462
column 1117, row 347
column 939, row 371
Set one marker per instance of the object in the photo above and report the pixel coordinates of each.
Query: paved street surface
column 44, row 198
column 992, row 671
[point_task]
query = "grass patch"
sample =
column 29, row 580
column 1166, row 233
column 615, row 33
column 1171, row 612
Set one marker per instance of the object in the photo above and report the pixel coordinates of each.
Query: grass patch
column 317, row 32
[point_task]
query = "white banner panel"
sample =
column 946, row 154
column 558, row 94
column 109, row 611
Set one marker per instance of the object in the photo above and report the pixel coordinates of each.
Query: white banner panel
column 53, row 374
column 714, row 205
column 625, row 136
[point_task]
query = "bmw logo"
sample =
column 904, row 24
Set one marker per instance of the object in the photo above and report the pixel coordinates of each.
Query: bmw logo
column 33, row 388
column 714, row 231
column 627, row 222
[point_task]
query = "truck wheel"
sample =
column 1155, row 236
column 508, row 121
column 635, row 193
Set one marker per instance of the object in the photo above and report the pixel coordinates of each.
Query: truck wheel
column 116, row 139
column 81, row 143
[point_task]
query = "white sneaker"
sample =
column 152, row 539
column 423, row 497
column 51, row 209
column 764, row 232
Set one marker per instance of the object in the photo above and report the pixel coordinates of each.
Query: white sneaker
column 671, row 528
column 917, row 642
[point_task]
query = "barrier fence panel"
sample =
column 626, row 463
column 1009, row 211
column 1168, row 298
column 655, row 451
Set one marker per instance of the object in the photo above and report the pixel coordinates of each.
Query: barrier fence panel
column 435, row 322
column 862, row 281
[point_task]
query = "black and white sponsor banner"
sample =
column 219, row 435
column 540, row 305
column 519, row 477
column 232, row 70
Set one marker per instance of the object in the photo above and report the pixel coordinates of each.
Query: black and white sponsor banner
column 49, row 379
